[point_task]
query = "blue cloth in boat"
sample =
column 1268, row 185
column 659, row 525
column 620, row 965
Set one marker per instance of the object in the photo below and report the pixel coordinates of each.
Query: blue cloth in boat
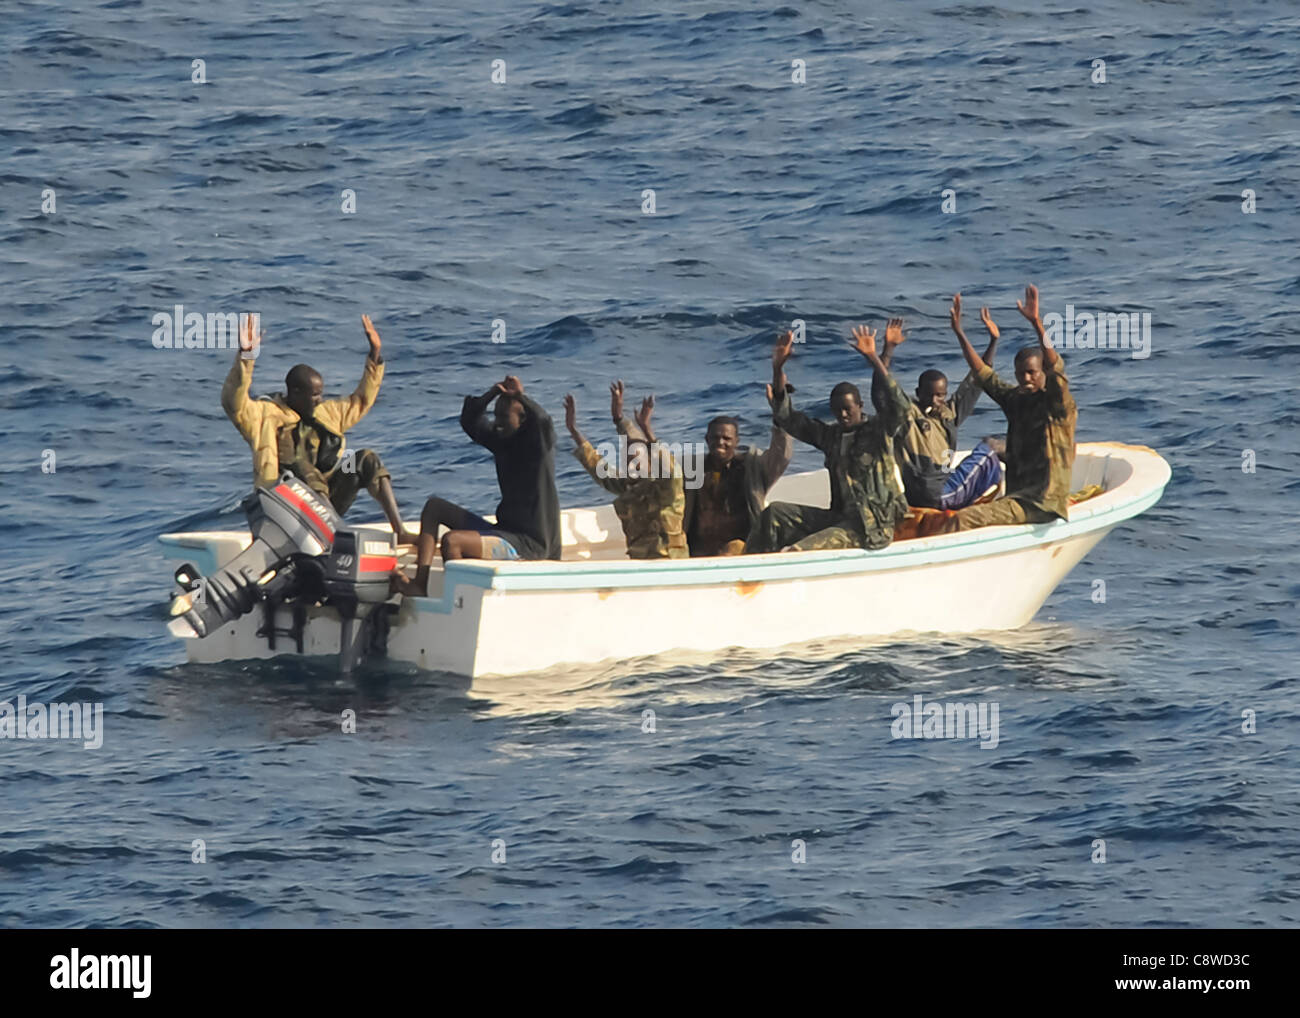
column 925, row 447
column 973, row 476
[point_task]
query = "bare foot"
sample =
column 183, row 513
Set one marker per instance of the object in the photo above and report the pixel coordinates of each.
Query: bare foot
column 400, row 583
column 407, row 537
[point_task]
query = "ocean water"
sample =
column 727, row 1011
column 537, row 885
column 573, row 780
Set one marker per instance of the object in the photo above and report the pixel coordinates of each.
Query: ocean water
column 522, row 201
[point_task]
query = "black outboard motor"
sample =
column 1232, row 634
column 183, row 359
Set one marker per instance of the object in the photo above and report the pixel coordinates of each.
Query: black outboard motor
column 301, row 552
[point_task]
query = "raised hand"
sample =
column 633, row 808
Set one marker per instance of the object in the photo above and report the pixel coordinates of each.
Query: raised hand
column 864, row 340
column 616, row 400
column 570, row 412
column 987, row 319
column 954, row 314
column 894, row 332
column 250, row 336
column 512, row 386
column 643, row 415
column 1029, row 306
column 372, row 337
column 783, row 350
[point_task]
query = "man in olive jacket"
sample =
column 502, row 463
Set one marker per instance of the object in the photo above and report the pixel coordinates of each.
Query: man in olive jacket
column 302, row 432
column 866, row 490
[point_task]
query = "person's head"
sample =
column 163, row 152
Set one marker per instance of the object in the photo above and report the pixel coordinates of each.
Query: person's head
column 303, row 389
column 509, row 415
column 846, row 404
column 637, row 463
column 722, row 438
column 932, row 390
column 1029, row 369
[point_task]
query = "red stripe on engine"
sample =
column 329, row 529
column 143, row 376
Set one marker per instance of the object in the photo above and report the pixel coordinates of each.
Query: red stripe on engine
column 287, row 493
column 375, row 563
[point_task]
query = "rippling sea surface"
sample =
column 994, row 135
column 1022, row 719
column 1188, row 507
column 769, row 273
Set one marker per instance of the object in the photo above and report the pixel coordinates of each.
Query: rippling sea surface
column 522, row 201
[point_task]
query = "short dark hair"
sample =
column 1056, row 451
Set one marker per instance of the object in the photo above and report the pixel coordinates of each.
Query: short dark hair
column 719, row 422
column 929, row 377
column 300, row 376
column 847, row 389
column 1025, row 352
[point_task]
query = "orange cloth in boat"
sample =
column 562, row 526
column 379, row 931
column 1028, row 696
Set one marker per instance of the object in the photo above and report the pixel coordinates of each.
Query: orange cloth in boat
column 929, row 522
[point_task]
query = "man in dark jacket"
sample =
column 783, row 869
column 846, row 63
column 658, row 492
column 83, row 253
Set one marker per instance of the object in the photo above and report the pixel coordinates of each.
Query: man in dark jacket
column 866, row 493
column 722, row 512
column 522, row 442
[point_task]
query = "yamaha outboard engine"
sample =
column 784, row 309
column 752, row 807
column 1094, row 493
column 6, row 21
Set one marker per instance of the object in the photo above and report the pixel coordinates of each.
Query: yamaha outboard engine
column 301, row 552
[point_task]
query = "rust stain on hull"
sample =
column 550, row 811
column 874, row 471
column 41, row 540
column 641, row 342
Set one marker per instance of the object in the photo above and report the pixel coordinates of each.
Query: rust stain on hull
column 747, row 589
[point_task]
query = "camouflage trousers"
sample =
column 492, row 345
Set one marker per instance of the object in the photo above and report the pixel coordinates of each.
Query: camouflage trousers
column 341, row 486
column 804, row 527
column 1001, row 512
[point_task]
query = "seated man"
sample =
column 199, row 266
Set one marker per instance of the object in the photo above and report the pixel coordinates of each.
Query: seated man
column 521, row 439
column 649, row 492
column 302, row 432
column 720, row 515
column 1041, row 418
column 925, row 449
column 866, row 496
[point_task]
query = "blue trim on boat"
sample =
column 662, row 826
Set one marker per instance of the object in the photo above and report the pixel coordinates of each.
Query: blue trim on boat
column 199, row 553
column 578, row 575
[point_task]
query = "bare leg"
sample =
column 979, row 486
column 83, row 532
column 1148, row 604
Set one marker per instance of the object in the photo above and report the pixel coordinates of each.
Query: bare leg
column 388, row 502
column 457, row 543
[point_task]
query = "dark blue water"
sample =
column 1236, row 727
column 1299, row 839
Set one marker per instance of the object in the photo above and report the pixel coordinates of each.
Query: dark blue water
column 522, row 201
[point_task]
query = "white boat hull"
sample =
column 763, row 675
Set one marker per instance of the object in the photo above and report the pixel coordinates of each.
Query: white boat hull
column 506, row 618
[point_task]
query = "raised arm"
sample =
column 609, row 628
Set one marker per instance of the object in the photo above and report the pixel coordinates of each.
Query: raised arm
column 1029, row 308
column 537, row 418
column 643, row 418
column 473, row 417
column 586, row 454
column 776, row 457
column 784, row 415
column 244, row 413
column 341, row 414
column 571, row 419
column 968, row 351
column 994, row 334
column 895, row 406
column 968, row 392
column 893, row 338
column 780, row 354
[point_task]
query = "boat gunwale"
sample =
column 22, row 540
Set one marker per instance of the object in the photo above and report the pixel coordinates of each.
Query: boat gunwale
column 602, row 574
column 599, row 574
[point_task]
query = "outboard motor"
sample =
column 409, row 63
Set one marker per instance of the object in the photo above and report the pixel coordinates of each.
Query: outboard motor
column 300, row 552
column 356, row 581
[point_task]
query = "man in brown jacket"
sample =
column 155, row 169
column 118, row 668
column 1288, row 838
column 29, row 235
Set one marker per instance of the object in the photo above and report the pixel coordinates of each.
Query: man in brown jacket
column 302, row 432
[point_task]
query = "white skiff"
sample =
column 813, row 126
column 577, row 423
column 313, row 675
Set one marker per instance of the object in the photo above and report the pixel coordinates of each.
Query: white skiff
column 505, row 618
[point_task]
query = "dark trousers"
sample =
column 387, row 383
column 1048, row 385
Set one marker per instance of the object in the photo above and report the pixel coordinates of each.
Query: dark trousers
column 342, row 486
column 804, row 527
